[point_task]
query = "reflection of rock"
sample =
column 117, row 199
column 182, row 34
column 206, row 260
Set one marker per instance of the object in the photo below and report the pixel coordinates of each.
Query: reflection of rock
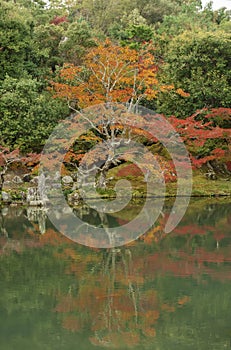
column 5, row 211
column 18, row 211
column 6, row 197
column 37, row 215
column 17, row 180
column 57, row 214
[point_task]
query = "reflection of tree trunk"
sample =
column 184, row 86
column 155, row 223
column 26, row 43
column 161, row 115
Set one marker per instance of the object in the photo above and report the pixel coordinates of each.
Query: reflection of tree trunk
column 110, row 271
column 3, row 226
column 128, row 270
column 37, row 215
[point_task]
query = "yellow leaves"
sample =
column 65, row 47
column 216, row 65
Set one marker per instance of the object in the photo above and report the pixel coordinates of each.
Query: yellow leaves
column 152, row 235
column 111, row 73
column 69, row 71
column 166, row 88
column 151, row 94
column 90, row 136
column 182, row 93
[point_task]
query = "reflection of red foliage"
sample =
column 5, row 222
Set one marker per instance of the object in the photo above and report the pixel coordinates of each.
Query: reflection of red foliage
column 202, row 256
column 187, row 264
column 72, row 323
column 191, row 230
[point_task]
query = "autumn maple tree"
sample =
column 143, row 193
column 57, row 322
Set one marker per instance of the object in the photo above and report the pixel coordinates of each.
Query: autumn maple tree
column 111, row 73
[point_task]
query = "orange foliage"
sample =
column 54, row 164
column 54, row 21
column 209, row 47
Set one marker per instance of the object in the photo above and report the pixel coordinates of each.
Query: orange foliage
column 150, row 332
column 185, row 299
column 72, row 323
column 111, row 74
column 168, row 308
column 53, row 238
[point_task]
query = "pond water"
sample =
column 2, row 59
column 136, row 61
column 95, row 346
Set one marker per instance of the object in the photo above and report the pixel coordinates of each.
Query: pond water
column 163, row 291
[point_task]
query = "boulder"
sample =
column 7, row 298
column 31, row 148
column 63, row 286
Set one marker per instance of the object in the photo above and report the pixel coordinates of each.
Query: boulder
column 17, row 180
column 6, row 197
column 211, row 176
column 26, row 178
column 67, row 180
column 73, row 198
column 35, row 180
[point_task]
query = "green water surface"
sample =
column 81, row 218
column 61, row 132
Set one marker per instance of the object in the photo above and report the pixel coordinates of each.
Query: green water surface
column 162, row 292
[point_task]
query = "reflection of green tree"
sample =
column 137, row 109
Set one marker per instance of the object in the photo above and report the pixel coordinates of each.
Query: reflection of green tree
column 28, row 284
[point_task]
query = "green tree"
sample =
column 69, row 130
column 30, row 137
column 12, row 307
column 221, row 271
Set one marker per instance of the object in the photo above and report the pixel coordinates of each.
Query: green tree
column 198, row 63
column 78, row 38
column 28, row 114
column 132, row 30
column 48, row 37
column 17, row 52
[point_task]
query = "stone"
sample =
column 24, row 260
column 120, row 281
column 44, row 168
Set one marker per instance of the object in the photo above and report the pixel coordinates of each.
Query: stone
column 211, row 176
column 26, row 178
column 35, row 180
column 57, row 176
column 41, row 186
column 74, row 176
column 17, row 179
column 23, row 195
column 33, row 197
column 6, row 197
column 55, row 185
column 73, row 198
column 67, row 180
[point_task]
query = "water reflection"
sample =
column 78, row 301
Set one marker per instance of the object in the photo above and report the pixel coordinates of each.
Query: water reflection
column 162, row 291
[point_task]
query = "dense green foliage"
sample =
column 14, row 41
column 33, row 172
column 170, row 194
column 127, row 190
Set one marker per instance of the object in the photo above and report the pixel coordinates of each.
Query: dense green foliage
column 28, row 114
column 191, row 47
column 200, row 65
